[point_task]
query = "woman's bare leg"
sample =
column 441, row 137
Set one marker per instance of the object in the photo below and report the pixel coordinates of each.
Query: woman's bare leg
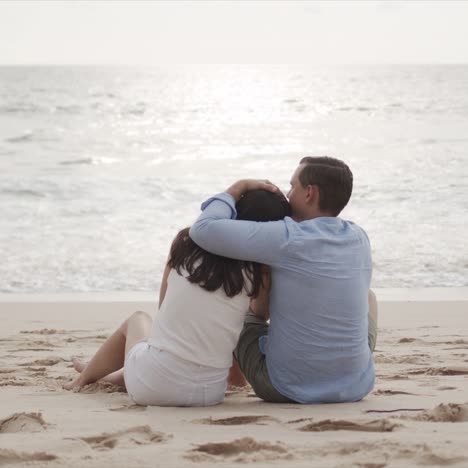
column 115, row 378
column 110, row 357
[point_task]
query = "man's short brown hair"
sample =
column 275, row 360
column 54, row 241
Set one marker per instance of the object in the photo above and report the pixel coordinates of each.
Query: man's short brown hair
column 333, row 178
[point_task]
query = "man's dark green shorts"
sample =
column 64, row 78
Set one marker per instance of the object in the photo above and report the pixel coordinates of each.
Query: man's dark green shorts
column 252, row 361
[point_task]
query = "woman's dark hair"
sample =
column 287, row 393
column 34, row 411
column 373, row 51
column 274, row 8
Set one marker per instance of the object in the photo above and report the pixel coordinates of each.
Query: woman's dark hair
column 211, row 271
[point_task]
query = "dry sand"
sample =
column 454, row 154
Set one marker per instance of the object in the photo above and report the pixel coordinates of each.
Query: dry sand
column 417, row 414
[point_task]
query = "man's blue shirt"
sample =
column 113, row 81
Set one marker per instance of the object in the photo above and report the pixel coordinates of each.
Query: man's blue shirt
column 317, row 345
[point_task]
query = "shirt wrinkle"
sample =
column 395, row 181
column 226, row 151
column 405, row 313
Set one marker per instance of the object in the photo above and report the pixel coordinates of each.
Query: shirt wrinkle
column 316, row 349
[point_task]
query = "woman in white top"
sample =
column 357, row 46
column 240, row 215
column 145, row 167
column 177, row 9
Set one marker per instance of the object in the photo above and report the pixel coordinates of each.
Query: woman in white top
column 183, row 356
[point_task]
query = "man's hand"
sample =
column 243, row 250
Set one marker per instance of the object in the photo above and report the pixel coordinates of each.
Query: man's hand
column 238, row 189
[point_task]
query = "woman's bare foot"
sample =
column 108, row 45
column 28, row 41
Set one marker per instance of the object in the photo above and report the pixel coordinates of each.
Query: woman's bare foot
column 74, row 385
column 78, row 364
column 236, row 378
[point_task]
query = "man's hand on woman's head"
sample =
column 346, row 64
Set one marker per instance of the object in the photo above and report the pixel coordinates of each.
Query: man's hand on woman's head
column 237, row 189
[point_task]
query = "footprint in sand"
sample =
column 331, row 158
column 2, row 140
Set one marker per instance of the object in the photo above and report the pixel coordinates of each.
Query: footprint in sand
column 457, row 342
column 43, row 343
column 391, row 392
column 44, row 331
column 295, row 421
column 382, row 359
column 8, row 457
column 454, row 344
column 357, row 454
column 22, row 350
column 240, row 450
column 134, row 436
column 36, row 345
column 43, row 362
column 94, row 337
column 445, row 412
column 23, row 422
column 393, row 377
column 74, row 339
column 129, row 408
column 412, row 359
column 13, row 382
column 235, row 420
column 432, row 459
column 103, row 387
column 408, row 340
column 35, row 369
column 371, row 465
column 440, row 371
column 378, row 425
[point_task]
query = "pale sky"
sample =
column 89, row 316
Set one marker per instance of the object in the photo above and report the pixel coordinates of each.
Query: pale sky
column 159, row 32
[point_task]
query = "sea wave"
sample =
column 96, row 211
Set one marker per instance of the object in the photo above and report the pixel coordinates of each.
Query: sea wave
column 102, row 94
column 357, row 109
column 67, row 109
column 92, row 161
column 23, row 193
column 25, row 137
column 138, row 109
column 21, row 108
column 33, row 109
column 31, row 137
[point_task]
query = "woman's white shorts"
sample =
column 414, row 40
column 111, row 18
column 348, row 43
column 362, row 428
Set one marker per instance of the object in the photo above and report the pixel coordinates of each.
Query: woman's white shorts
column 156, row 377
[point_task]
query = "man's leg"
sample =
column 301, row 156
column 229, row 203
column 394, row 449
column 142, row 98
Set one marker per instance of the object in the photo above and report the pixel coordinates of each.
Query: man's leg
column 252, row 362
column 373, row 316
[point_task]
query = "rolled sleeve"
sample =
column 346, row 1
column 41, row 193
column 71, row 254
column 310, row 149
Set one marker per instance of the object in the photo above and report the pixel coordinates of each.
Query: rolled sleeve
column 219, row 211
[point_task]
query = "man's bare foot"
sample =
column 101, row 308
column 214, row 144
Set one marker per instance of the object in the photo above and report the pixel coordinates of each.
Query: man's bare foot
column 74, row 385
column 78, row 364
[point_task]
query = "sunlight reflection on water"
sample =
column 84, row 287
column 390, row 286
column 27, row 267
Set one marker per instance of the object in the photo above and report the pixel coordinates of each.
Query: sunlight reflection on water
column 100, row 167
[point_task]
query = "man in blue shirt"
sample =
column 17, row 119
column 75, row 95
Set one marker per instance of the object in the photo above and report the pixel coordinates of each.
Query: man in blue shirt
column 318, row 345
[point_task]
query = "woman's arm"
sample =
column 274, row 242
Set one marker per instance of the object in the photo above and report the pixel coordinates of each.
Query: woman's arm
column 163, row 289
column 260, row 305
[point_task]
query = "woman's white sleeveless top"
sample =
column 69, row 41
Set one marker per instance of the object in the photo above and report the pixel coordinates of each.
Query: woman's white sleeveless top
column 197, row 325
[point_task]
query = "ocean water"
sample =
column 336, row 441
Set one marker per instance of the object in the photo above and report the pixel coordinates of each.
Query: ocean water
column 101, row 166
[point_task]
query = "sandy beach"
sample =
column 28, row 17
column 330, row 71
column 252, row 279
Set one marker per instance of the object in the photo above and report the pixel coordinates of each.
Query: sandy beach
column 417, row 414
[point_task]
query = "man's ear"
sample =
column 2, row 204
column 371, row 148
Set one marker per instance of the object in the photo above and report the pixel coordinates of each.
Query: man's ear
column 312, row 193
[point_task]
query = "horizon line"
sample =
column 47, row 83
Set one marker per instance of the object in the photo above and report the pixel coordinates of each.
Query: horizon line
column 230, row 63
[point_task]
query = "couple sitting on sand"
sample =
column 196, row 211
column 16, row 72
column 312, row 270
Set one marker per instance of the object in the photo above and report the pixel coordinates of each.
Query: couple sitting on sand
column 252, row 256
